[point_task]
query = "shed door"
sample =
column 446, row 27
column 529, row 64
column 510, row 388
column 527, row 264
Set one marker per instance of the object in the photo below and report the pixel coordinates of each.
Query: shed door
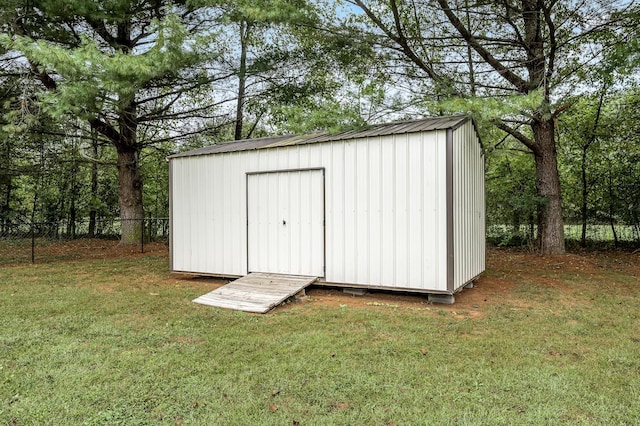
column 285, row 222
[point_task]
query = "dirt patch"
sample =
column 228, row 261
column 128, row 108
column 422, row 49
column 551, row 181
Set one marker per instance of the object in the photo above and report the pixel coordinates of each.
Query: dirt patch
column 511, row 277
column 507, row 269
column 584, row 263
column 469, row 302
column 206, row 284
column 96, row 249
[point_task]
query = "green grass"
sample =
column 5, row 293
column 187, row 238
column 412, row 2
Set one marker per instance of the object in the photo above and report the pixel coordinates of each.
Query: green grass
column 119, row 342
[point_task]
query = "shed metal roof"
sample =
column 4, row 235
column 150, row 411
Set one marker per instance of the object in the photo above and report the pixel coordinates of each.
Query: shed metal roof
column 401, row 127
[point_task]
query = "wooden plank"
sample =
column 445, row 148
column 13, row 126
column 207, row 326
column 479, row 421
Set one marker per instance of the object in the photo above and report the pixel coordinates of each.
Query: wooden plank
column 256, row 292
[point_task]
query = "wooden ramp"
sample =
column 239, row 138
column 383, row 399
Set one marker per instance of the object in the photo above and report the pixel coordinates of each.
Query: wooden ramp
column 256, row 292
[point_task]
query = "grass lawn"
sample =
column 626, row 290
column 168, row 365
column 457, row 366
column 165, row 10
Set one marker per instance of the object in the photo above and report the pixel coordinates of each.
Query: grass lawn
column 117, row 341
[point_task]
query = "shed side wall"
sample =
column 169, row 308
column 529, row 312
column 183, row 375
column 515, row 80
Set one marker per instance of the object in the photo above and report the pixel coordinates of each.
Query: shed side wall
column 468, row 205
column 385, row 201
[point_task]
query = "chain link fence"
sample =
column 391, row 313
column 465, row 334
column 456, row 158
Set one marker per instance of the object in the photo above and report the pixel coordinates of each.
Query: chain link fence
column 596, row 235
column 63, row 240
column 54, row 241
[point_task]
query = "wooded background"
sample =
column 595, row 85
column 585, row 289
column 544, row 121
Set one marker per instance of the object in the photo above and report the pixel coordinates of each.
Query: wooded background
column 95, row 95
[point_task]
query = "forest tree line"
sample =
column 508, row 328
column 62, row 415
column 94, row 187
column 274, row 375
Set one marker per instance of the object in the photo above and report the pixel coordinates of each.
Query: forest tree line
column 95, row 95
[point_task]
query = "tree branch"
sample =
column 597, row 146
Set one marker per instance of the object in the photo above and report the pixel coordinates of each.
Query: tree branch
column 506, row 73
column 400, row 39
column 105, row 129
column 526, row 141
column 553, row 42
column 47, row 81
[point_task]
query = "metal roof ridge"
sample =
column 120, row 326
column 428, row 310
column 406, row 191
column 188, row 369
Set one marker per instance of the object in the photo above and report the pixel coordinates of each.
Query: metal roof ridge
column 371, row 130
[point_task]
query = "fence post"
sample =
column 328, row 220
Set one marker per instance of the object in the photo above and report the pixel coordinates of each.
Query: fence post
column 33, row 245
column 142, row 235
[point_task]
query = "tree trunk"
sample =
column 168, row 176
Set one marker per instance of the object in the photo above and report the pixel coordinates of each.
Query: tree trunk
column 612, row 209
column 470, row 63
column 129, row 177
column 585, row 194
column 532, row 221
column 71, row 229
column 130, row 195
column 583, row 169
column 6, row 206
column 71, row 225
column 94, row 185
column 245, row 27
column 550, row 238
column 516, row 224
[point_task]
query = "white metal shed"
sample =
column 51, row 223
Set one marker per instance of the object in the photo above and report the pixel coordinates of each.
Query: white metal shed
column 397, row 206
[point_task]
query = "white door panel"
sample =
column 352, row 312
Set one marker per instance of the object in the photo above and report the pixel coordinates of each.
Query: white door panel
column 285, row 223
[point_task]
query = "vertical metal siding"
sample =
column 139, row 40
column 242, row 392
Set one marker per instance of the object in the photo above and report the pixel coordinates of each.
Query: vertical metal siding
column 439, row 209
column 374, row 213
column 450, row 164
column 171, row 181
column 206, row 234
column 336, row 261
column 386, row 231
column 469, row 206
column 349, row 217
column 385, row 209
column 363, row 213
column 401, row 200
